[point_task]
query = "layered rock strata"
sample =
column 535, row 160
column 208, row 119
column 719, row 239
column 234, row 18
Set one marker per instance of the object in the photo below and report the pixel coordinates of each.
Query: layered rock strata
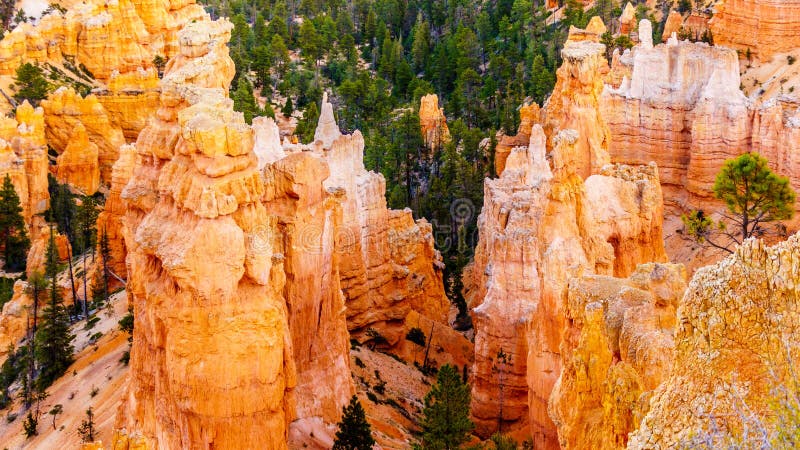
column 65, row 112
column 764, row 27
column 23, row 157
column 558, row 206
column 209, row 301
column 79, row 165
column 682, row 108
column 723, row 378
column 617, row 348
column 101, row 36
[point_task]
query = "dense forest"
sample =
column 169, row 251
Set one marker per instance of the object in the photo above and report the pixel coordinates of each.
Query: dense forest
column 376, row 58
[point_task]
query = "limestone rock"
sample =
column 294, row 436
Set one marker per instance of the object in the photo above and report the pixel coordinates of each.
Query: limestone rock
column 14, row 318
column 616, row 350
column 682, row 109
column 205, row 302
column 433, row 123
column 267, row 146
column 104, row 37
column 627, row 21
column 65, row 110
column 528, row 116
column 78, row 165
column 673, row 24
column 23, row 156
column 765, row 27
column 719, row 368
column 40, row 239
column 574, row 104
column 327, row 130
column 111, row 219
column 388, row 264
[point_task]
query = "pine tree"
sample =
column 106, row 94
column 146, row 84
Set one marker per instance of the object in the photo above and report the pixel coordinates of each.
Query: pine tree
column 87, row 430
column 244, row 100
column 54, row 339
column 31, row 84
column 13, row 237
column 308, row 124
column 445, row 419
column 755, row 197
column 354, row 431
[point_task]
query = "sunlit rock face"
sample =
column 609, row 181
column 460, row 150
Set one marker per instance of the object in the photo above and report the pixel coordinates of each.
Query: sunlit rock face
column 679, row 105
column 433, row 123
column 23, row 157
column 735, row 347
column 616, row 349
column 538, row 225
column 765, row 27
column 212, row 361
column 105, row 38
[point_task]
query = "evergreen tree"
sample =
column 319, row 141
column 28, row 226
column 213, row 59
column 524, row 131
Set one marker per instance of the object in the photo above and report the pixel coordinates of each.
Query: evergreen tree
column 31, row 84
column 755, row 197
column 354, row 431
column 87, row 430
column 445, row 419
column 13, row 237
column 308, row 124
column 54, row 339
column 244, row 100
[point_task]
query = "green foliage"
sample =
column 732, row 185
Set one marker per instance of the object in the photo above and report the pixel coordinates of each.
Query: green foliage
column 13, row 237
column 87, row 429
column 445, row 419
column 245, row 101
column 53, row 350
column 126, row 323
column 417, row 336
column 503, row 442
column 55, row 411
column 29, row 425
column 754, row 196
column 13, row 366
column 354, row 432
column 308, row 123
column 6, row 290
column 30, row 84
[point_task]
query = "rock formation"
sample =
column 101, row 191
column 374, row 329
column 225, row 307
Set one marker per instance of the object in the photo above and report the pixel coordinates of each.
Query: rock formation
column 78, row 165
column 388, row 264
column 722, row 377
column 102, row 36
column 528, row 116
column 627, row 20
column 433, row 123
column 574, row 104
column 539, row 223
column 209, row 301
column 111, row 221
column 263, row 255
column 765, row 27
column 673, row 24
column 23, row 156
column 616, row 349
column 65, row 112
column 14, row 319
column 682, row 108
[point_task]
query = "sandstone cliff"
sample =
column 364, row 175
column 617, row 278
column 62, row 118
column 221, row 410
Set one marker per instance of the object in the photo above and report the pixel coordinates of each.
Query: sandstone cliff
column 765, row 27
column 23, row 156
column 433, row 123
column 528, row 116
column 65, row 112
column 723, row 377
column 615, row 351
column 78, row 165
column 104, row 37
column 388, row 264
column 682, row 108
column 210, row 301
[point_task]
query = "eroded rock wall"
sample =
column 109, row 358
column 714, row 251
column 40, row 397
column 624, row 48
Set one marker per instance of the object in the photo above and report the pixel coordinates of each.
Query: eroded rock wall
column 539, row 224
column 765, row 27
column 617, row 348
column 721, row 368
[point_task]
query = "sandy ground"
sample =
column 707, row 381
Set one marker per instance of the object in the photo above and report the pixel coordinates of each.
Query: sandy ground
column 762, row 80
column 96, row 366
